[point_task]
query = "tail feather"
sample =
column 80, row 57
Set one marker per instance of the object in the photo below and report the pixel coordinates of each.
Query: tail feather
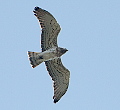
column 34, row 59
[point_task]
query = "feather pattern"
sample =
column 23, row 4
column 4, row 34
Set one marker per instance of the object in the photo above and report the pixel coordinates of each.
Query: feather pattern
column 50, row 28
column 60, row 75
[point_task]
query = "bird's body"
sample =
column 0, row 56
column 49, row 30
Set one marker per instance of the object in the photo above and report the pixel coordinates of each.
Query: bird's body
column 38, row 57
column 51, row 53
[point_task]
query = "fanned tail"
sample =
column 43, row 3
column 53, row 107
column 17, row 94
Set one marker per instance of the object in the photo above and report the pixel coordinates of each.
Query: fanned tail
column 34, row 58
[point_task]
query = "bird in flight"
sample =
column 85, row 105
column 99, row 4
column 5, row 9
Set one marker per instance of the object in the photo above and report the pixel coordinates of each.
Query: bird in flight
column 51, row 53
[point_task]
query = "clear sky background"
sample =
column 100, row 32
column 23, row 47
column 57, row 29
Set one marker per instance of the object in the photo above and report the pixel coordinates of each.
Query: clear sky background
column 91, row 33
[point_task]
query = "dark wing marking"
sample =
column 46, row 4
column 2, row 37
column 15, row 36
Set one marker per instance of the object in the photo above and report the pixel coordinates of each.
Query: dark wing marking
column 60, row 75
column 50, row 28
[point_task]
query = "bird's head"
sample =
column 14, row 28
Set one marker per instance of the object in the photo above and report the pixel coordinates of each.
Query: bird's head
column 63, row 50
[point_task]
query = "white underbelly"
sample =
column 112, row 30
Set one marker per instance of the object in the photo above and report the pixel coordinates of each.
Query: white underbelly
column 49, row 54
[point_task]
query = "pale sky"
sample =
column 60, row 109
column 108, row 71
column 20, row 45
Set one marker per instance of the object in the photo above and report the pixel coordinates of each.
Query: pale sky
column 91, row 33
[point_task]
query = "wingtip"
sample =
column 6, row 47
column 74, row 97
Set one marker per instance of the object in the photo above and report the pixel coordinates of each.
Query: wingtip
column 36, row 8
column 55, row 100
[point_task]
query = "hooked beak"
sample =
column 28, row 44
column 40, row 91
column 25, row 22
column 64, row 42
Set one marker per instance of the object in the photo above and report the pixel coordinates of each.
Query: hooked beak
column 66, row 49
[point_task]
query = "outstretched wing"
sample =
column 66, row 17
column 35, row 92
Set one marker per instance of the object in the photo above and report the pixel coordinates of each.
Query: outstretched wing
column 50, row 28
column 60, row 75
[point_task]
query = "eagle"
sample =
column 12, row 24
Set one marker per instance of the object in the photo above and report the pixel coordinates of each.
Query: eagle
column 51, row 53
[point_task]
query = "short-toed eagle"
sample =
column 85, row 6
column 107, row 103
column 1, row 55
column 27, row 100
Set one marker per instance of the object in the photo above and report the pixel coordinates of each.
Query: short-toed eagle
column 51, row 53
